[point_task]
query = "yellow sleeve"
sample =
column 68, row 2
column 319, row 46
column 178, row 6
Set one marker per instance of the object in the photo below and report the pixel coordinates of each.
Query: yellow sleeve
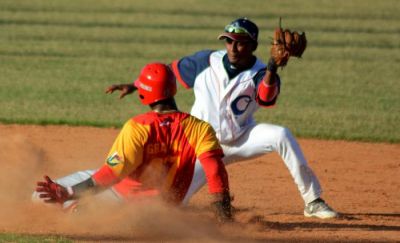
column 200, row 135
column 126, row 153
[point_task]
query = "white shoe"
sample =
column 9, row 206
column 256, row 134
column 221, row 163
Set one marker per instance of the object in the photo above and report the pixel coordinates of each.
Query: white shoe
column 70, row 206
column 319, row 209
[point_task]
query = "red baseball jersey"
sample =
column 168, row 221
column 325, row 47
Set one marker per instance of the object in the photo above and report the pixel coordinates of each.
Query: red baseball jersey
column 155, row 154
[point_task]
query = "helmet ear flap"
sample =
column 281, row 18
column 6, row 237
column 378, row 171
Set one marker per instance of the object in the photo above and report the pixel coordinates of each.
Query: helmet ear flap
column 156, row 82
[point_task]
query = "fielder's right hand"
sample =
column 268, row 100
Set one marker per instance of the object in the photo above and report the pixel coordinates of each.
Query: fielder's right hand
column 124, row 88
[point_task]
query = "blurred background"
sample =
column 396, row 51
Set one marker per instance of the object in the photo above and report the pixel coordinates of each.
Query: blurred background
column 57, row 58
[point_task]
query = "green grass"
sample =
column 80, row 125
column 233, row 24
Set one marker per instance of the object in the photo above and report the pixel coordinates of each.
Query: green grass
column 20, row 238
column 57, row 57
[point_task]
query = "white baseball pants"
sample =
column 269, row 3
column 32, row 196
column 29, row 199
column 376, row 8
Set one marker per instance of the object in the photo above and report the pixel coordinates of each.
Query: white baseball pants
column 261, row 139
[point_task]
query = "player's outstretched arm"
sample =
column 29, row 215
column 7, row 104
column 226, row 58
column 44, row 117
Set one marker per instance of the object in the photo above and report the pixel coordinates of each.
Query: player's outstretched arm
column 52, row 192
column 125, row 89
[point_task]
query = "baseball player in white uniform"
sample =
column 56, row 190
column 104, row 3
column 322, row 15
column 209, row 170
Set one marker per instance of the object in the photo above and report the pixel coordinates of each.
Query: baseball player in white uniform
column 229, row 86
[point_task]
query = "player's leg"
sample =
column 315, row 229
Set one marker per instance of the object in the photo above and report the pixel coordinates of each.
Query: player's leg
column 256, row 141
column 261, row 139
column 264, row 138
column 198, row 181
column 233, row 152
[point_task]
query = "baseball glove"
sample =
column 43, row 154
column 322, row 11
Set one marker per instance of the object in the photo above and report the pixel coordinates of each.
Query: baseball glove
column 287, row 43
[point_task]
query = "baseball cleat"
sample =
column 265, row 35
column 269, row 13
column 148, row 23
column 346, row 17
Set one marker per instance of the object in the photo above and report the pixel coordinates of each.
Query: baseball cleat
column 70, row 206
column 319, row 209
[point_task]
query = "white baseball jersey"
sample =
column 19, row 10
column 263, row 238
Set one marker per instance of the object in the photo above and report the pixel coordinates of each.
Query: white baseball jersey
column 227, row 100
column 227, row 104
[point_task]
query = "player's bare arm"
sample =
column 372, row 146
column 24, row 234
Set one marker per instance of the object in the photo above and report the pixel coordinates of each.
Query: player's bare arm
column 125, row 89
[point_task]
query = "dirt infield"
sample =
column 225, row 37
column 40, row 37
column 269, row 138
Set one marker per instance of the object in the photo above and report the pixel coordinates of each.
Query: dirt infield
column 360, row 180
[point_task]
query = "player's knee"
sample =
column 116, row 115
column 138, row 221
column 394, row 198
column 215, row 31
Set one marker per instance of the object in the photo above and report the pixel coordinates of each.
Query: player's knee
column 284, row 133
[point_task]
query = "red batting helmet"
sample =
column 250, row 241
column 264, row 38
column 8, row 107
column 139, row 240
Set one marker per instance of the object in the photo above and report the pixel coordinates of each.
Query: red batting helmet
column 156, row 82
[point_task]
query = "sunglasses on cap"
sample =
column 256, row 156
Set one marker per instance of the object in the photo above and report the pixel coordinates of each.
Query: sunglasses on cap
column 234, row 29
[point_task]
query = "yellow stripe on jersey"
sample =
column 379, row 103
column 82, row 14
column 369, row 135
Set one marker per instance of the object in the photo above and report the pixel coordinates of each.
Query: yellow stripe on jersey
column 126, row 154
column 200, row 135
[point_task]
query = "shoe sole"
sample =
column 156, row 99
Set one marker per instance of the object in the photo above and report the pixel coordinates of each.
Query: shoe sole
column 320, row 216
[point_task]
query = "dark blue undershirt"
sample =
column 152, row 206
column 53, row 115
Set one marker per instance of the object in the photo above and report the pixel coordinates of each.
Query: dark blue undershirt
column 231, row 70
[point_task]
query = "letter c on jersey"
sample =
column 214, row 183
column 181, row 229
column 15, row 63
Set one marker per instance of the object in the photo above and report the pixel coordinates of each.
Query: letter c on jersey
column 240, row 104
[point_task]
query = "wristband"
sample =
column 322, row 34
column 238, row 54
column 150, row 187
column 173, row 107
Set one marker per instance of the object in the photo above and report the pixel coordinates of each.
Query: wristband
column 271, row 66
column 70, row 191
column 267, row 92
column 81, row 187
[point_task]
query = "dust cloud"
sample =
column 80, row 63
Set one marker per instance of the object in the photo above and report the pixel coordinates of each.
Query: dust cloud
column 20, row 162
column 23, row 163
column 267, row 205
